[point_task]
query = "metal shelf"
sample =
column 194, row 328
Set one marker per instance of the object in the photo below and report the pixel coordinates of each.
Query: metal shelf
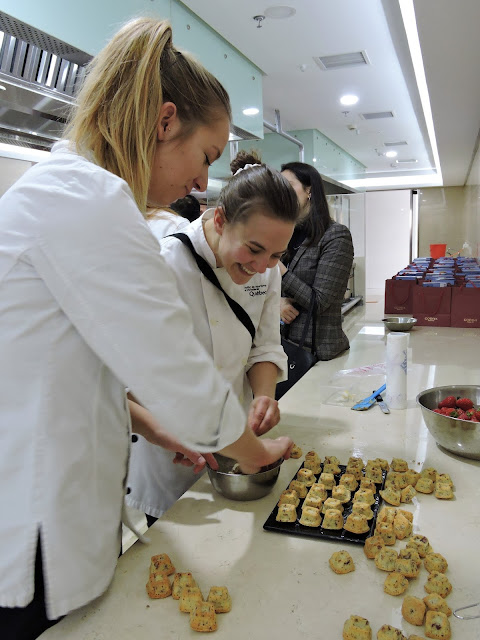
column 348, row 304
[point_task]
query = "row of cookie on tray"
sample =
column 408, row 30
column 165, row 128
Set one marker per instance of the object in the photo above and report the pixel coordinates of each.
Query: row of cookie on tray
column 356, row 467
column 402, row 484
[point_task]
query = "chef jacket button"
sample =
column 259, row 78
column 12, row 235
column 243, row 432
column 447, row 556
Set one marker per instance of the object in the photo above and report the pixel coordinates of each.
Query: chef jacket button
column 128, row 490
column 134, row 438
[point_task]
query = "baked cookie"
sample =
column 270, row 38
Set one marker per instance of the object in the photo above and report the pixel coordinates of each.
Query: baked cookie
column 444, row 478
column 395, row 584
column 313, row 455
column 286, row 513
column 203, row 617
column 220, row 598
column 300, row 487
column 387, row 632
column 327, row 480
column 189, row 598
column 387, row 514
column 356, row 523
column 429, row 472
column 314, row 465
column 181, row 580
column 424, row 485
column 402, row 527
column 437, row 626
column 313, row 501
column 382, row 463
column 289, row 496
column 341, row 562
column 357, row 472
column 341, row 493
column 319, row 490
column 357, row 628
column 420, row 543
column 435, row 562
column 356, row 461
column 374, row 473
column 331, row 460
column 372, row 546
column 396, row 480
column 310, row 517
column 391, row 495
column 332, row 519
column 407, row 494
column 398, row 464
column 331, row 503
column 367, row 483
column 332, row 468
column 413, row 610
column 385, row 530
column 363, row 508
column 158, row 586
column 364, row 495
column 385, row 559
column 412, row 476
column 306, row 476
column 408, row 514
column 438, row 583
column 161, row 563
column 407, row 567
column 348, row 480
column 296, row 452
column 410, row 554
column 443, row 491
column 435, row 602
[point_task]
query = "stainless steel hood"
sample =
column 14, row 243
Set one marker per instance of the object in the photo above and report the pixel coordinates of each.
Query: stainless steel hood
column 39, row 76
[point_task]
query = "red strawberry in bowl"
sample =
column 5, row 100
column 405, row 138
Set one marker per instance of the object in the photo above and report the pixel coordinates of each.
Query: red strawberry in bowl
column 449, row 401
column 464, row 403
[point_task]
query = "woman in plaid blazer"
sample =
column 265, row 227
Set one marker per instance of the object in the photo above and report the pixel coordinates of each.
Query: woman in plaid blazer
column 318, row 262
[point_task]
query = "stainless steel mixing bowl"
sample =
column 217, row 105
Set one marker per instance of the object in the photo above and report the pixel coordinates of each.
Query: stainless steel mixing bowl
column 237, row 486
column 399, row 323
column 458, row 436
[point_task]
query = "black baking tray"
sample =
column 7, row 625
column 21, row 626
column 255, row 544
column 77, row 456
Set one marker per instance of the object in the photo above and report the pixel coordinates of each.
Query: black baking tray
column 340, row 535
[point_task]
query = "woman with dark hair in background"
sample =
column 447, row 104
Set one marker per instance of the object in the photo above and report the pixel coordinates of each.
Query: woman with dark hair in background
column 318, row 262
column 187, row 207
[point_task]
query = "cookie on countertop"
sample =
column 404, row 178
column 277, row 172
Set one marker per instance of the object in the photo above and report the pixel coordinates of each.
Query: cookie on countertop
column 420, row 543
column 357, row 628
column 296, row 452
column 372, row 546
column 385, row 530
column 424, row 485
column 341, row 562
column 408, row 514
column 181, row 580
column 410, row 554
column 412, row 476
column 161, row 563
column 395, row 584
column 443, row 491
column 189, row 598
column 158, row 586
column 408, row 567
column 385, row 559
column 387, row 632
column 396, row 480
column 435, row 562
column 444, row 478
column 387, row 514
column 437, row 626
column 391, row 495
column 429, row 472
column 203, row 617
column 220, row 598
column 438, row 583
column 399, row 464
column 402, row 527
column 435, row 602
column 413, row 610
column 407, row 494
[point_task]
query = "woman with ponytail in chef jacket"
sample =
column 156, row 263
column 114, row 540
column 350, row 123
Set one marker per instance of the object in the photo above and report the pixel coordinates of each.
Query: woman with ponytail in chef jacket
column 242, row 240
column 89, row 308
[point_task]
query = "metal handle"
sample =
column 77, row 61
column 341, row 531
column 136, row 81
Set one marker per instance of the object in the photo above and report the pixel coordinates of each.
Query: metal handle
column 469, row 606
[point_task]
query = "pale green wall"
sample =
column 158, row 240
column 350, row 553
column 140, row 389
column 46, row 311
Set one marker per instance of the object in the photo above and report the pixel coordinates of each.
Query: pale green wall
column 89, row 24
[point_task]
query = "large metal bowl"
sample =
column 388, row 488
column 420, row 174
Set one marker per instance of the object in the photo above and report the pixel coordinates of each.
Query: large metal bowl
column 237, row 486
column 399, row 323
column 458, row 436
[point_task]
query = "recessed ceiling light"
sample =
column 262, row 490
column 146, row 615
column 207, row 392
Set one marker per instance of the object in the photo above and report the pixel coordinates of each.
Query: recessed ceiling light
column 314, row 159
column 391, row 154
column 280, row 11
column 251, row 111
column 2, row 88
column 349, row 100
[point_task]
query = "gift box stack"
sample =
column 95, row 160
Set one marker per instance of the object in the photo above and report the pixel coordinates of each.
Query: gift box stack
column 444, row 292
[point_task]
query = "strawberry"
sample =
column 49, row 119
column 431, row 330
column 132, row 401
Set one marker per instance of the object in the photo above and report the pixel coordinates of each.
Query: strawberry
column 461, row 415
column 464, row 403
column 437, row 411
column 451, row 412
column 469, row 414
column 449, row 401
column 477, row 414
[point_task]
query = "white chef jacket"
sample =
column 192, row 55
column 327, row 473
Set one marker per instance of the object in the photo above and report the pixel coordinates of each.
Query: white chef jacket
column 88, row 307
column 154, row 482
column 166, row 222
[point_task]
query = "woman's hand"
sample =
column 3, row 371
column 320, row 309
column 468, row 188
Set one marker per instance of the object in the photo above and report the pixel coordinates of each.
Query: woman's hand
column 288, row 313
column 189, row 458
column 263, row 414
column 273, row 450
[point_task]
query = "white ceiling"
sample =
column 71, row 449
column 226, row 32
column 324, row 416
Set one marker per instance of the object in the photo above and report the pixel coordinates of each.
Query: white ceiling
column 308, row 97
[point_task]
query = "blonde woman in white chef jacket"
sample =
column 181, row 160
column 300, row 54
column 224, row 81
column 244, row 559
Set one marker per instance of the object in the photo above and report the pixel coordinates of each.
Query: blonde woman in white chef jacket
column 89, row 308
column 242, row 240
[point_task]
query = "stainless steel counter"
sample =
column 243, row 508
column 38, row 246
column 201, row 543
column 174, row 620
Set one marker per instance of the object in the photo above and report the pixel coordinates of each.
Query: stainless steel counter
column 281, row 585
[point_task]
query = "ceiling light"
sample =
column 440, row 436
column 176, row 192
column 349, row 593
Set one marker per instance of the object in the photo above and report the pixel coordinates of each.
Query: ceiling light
column 391, row 154
column 251, row 111
column 314, row 159
column 280, row 11
column 349, row 100
column 2, row 88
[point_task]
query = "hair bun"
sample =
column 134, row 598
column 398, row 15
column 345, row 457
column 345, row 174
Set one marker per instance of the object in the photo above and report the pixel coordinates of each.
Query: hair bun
column 244, row 160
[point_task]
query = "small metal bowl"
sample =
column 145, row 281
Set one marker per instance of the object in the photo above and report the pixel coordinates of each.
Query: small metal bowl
column 238, row 486
column 458, row 436
column 399, row 323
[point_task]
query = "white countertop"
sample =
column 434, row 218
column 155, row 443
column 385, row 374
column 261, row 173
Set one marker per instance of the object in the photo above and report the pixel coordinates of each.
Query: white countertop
column 281, row 585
